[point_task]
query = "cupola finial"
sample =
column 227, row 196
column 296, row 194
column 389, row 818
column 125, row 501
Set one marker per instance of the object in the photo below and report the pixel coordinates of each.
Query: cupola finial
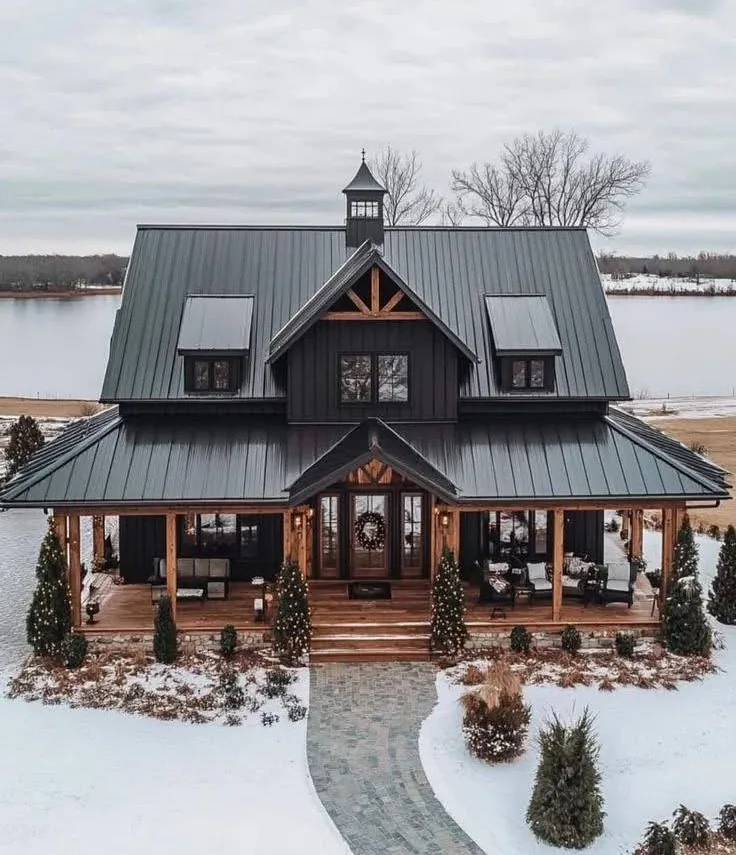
column 362, row 154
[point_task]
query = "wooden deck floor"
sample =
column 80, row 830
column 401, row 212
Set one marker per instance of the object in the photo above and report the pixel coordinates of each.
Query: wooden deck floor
column 128, row 608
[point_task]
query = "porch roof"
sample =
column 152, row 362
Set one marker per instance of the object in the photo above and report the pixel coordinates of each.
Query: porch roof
column 107, row 460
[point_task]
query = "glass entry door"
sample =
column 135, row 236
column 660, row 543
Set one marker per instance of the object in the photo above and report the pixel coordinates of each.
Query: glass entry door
column 369, row 535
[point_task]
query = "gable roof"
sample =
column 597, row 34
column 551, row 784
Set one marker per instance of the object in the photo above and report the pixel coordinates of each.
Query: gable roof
column 450, row 271
column 212, row 323
column 522, row 324
column 365, row 256
column 372, row 439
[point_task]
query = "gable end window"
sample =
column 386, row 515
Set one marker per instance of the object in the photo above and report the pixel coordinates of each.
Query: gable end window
column 527, row 374
column 216, row 375
column 366, row 377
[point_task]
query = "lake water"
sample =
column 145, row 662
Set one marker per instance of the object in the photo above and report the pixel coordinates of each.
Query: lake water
column 58, row 348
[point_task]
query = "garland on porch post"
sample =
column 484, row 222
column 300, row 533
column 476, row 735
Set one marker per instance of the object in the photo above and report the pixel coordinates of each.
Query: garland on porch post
column 292, row 625
column 49, row 617
column 448, row 631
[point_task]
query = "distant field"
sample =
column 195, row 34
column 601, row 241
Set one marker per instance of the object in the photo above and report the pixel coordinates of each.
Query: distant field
column 671, row 286
column 718, row 435
column 46, row 407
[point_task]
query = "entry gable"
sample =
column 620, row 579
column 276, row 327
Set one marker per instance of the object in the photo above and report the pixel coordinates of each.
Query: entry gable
column 373, row 440
column 364, row 288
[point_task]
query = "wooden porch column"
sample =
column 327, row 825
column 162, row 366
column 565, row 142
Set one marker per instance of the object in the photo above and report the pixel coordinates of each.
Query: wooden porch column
column 557, row 559
column 637, row 534
column 98, row 537
column 301, row 540
column 287, row 535
column 433, row 538
column 667, row 548
column 75, row 570
column 455, row 534
column 309, row 524
column 60, row 524
column 171, row 560
column 625, row 529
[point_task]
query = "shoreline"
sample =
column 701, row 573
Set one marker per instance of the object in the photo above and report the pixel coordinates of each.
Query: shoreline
column 102, row 291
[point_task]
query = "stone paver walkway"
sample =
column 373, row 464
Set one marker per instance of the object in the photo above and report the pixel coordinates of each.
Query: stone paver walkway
column 362, row 744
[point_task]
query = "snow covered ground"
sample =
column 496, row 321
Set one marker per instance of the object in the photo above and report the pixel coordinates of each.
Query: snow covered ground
column 77, row 782
column 648, row 283
column 681, row 408
column 658, row 748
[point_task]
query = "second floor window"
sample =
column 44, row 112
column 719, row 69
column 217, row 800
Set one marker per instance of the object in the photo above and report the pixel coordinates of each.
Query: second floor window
column 364, row 209
column 211, row 375
column 527, row 374
column 382, row 377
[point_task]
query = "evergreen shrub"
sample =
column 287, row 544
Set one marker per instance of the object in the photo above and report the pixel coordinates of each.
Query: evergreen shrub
column 228, row 641
column 566, row 807
column 164, row 632
column 74, row 649
column 690, row 827
column 521, row 639
column 448, row 632
column 277, row 682
column 49, row 617
column 659, row 840
column 24, row 441
column 727, row 822
column 722, row 595
column 495, row 718
column 292, row 625
column 234, row 696
column 625, row 643
column 571, row 639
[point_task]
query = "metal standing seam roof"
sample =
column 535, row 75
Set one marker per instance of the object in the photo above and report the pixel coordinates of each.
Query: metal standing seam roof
column 364, row 181
column 450, row 270
column 366, row 256
column 212, row 323
column 522, row 324
column 235, row 459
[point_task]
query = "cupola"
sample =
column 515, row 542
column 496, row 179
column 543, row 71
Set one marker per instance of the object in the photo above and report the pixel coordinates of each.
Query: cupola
column 364, row 220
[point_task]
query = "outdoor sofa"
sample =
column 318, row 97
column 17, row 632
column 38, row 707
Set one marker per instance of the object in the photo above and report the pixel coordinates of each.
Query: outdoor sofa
column 210, row 575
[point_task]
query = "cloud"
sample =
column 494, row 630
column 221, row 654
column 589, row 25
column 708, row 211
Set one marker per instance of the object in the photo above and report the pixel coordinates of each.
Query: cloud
column 174, row 110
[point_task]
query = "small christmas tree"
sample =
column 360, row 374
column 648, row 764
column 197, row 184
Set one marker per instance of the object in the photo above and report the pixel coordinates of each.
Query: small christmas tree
column 722, row 597
column 684, row 625
column 25, row 439
column 164, row 632
column 685, row 555
column 292, row 625
column 566, row 807
column 49, row 617
column 448, row 631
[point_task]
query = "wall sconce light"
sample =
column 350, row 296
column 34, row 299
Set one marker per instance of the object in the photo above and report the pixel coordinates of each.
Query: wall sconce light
column 298, row 522
column 310, row 514
column 444, row 520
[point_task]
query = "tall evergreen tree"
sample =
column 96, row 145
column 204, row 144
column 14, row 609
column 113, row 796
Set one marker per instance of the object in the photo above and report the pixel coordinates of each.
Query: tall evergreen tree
column 685, row 555
column 447, row 630
column 566, row 807
column 164, row 632
column 292, row 625
column 25, row 439
column 722, row 596
column 49, row 617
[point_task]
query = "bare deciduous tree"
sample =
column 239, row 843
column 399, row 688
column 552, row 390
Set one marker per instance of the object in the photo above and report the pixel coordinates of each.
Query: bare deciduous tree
column 550, row 179
column 408, row 201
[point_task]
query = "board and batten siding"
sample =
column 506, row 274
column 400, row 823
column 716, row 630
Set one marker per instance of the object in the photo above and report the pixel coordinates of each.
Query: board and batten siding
column 313, row 371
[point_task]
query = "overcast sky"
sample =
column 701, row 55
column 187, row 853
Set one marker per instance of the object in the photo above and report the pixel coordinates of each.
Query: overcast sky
column 255, row 111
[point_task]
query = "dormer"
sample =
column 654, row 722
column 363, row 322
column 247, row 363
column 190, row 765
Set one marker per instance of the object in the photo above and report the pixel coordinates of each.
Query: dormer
column 214, row 339
column 364, row 216
column 525, row 341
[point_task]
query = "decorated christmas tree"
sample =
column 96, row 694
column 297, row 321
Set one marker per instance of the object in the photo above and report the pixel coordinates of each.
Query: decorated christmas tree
column 164, row 632
column 722, row 597
column 566, row 807
column 292, row 625
column 25, row 439
column 685, row 555
column 49, row 617
column 447, row 631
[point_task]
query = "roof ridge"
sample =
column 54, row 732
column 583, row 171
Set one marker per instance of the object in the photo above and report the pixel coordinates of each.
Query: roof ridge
column 85, row 442
column 659, row 454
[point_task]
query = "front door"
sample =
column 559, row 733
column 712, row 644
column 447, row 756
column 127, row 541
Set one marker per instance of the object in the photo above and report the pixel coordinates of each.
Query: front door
column 369, row 535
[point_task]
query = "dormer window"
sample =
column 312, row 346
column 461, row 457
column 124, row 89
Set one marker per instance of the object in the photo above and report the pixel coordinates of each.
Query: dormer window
column 364, row 209
column 527, row 374
column 212, row 375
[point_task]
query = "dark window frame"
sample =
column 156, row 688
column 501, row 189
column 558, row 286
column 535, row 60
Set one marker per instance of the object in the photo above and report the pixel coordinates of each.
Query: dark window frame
column 234, row 370
column 191, row 544
column 364, row 209
column 374, row 399
column 507, row 364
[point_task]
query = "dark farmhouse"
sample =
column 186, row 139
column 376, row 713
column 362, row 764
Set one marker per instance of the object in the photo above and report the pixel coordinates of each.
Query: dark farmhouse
column 357, row 398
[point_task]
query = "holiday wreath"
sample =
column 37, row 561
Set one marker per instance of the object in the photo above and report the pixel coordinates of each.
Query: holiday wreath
column 370, row 530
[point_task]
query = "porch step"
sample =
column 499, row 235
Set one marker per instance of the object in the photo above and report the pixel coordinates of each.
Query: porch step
column 367, row 654
column 395, row 642
column 370, row 628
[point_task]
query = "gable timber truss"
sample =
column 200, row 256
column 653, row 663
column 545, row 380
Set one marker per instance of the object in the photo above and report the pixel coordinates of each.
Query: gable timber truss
column 376, row 312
